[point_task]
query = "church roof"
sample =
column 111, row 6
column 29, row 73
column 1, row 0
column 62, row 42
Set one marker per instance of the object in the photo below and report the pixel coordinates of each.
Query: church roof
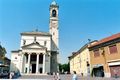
column 36, row 33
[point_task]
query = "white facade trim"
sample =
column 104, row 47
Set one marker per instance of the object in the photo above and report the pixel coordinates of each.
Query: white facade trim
column 114, row 63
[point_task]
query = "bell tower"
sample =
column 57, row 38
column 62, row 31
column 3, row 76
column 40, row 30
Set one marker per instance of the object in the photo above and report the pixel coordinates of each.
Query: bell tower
column 53, row 24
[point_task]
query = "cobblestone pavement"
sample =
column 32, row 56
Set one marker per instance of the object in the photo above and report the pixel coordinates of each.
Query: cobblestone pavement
column 63, row 77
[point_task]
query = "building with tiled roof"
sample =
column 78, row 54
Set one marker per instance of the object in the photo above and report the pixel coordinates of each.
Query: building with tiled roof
column 105, row 57
column 80, row 60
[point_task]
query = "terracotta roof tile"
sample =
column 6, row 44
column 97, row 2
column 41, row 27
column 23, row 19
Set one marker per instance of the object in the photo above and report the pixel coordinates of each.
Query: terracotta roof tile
column 110, row 38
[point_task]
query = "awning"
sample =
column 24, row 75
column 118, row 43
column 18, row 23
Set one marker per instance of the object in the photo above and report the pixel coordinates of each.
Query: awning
column 97, row 65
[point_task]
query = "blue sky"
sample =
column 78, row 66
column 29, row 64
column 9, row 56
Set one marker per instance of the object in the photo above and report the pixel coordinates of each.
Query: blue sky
column 79, row 20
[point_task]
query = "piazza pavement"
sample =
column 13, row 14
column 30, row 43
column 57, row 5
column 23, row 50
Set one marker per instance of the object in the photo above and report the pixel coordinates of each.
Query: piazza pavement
column 63, row 77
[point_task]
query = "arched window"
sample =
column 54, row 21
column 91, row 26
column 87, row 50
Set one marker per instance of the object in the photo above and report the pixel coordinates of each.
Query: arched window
column 54, row 13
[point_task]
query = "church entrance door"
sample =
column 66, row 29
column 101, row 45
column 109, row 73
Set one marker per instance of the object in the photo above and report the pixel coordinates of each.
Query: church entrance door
column 33, row 68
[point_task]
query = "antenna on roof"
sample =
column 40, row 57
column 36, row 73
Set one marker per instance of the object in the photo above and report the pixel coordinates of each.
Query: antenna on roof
column 89, row 41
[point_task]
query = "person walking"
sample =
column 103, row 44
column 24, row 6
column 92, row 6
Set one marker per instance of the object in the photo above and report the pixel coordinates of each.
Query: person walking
column 58, row 76
column 54, row 76
column 74, row 76
column 11, row 75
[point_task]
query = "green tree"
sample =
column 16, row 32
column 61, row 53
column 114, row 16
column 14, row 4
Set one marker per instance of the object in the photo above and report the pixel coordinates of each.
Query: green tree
column 3, row 52
column 60, row 67
column 64, row 67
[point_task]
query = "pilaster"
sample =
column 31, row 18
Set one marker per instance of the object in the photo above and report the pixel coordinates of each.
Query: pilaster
column 28, row 70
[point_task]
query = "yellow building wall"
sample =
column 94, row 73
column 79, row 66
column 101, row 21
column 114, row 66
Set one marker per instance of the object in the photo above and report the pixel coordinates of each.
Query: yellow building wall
column 75, row 64
column 84, row 55
column 71, row 65
column 78, row 62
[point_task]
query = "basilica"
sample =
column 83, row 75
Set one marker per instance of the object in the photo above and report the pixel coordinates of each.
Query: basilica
column 38, row 52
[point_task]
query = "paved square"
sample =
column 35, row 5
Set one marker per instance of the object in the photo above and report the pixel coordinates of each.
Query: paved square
column 63, row 77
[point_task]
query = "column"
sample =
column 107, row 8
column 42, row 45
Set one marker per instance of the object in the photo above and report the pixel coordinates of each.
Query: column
column 28, row 69
column 37, row 64
column 43, row 63
column 22, row 63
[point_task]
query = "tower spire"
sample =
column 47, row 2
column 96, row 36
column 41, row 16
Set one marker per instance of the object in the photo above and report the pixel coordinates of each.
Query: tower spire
column 54, row 2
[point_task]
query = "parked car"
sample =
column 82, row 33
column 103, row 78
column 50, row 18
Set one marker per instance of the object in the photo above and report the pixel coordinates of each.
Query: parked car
column 4, row 75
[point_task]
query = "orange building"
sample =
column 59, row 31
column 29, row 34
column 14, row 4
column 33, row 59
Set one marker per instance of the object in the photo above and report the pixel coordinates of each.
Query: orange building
column 105, row 57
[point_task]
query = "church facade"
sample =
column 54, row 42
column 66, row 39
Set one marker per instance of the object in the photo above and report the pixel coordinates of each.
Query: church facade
column 38, row 53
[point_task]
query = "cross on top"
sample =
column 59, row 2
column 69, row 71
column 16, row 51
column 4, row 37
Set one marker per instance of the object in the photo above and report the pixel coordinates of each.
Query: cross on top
column 35, row 39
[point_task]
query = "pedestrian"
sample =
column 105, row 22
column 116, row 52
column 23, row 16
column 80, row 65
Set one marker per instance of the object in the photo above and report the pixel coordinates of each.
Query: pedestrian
column 10, row 75
column 58, row 76
column 54, row 76
column 74, row 76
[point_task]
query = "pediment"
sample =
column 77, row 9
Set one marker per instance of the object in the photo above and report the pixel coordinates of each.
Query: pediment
column 34, row 45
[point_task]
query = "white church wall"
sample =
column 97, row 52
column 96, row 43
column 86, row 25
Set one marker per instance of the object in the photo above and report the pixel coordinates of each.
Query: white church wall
column 15, row 62
column 40, row 39
column 23, row 63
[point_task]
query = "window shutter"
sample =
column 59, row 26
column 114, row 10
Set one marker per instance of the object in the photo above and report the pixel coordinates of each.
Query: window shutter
column 113, row 49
